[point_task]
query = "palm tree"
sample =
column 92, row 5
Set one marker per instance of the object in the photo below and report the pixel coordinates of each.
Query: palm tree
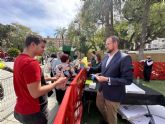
column 60, row 32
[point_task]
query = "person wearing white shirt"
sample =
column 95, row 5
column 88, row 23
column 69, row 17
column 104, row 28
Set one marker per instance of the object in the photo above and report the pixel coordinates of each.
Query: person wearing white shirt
column 116, row 72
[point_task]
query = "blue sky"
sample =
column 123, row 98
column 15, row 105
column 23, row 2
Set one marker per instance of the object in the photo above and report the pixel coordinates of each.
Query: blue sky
column 42, row 16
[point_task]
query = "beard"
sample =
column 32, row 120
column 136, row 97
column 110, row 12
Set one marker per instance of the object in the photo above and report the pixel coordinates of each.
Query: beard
column 109, row 51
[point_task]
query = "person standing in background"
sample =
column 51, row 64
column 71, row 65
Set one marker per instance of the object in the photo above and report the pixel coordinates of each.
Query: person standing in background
column 148, row 63
column 53, row 63
column 93, row 59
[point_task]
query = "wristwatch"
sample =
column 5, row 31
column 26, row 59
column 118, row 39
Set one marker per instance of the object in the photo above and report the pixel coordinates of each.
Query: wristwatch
column 109, row 81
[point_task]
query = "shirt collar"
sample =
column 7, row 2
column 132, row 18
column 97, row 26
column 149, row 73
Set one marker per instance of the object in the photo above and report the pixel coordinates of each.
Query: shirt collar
column 111, row 55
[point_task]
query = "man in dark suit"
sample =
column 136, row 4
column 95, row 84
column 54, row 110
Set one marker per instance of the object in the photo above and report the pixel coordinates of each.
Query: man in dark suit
column 116, row 72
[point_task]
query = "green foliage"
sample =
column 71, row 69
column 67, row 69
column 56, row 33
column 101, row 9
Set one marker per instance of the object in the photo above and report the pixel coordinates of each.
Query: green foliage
column 84, row 46
column 72, row 34
column 5, row 34
column 52, row 49
column 123, row 31
column 84, row 27
column 156, row 26
column 19, row 35
column 13, row 52
column 128, row 28
column 99, row 38
column 133, row 11
column 13, row 35
column 61, row 33
column 92, row 14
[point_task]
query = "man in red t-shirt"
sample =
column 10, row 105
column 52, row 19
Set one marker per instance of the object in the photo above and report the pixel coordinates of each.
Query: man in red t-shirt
column 31, row 103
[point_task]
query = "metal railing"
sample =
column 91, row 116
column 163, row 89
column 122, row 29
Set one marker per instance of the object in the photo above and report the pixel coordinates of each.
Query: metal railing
column 7, row 102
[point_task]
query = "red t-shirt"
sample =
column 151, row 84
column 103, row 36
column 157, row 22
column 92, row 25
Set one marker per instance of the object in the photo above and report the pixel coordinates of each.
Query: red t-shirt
column 26, row 71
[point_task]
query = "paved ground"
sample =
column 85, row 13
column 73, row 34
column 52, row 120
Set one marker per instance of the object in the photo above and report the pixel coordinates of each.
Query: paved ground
column 52, row 106
column 8, row 102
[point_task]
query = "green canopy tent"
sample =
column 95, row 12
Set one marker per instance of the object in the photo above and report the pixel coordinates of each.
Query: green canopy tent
column 68, row 50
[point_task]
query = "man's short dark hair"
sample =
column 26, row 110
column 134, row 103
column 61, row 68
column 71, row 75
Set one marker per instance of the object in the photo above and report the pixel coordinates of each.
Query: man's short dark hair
column 114, row 39
column 53, row 55
column 33, row 39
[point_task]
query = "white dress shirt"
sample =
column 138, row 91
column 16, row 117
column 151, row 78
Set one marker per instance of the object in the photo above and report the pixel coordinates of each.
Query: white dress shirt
column 108, row 61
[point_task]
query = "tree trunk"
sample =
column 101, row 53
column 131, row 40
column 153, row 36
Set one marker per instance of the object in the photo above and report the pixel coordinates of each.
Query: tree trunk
column 108, row 18
column 111, row 18
column 62, row 40
column 144, row 28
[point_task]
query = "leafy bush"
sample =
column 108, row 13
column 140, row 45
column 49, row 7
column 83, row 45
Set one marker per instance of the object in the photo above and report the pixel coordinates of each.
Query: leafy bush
column 13, row 52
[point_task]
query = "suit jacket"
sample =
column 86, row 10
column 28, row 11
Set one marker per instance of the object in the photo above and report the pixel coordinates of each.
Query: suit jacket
column 120, row 72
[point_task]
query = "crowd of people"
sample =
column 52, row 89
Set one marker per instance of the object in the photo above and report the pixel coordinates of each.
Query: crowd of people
column 31, row 85
column 112, row 72
column 60, row 65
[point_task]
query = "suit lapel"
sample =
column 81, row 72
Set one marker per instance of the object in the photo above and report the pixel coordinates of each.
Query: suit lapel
column 113, row 60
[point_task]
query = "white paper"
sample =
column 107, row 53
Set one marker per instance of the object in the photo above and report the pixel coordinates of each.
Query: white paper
column 136, row 113
column 132, row 111
column 133, row 88
column 158, row 120
column 140, row 120
column 157, row 110
column 92, row 85
column 158, row 113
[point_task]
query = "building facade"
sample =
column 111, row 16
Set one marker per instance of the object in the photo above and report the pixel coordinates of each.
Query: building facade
column 57, row 42
column 159, row 43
